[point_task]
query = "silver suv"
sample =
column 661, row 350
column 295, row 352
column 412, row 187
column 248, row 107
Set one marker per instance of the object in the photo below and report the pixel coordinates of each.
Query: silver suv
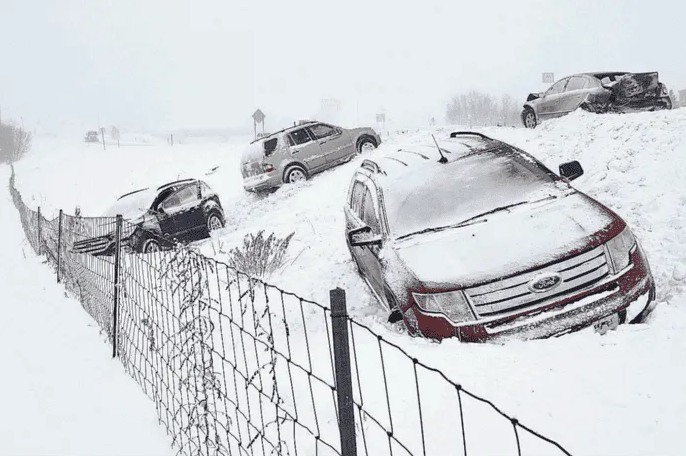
column 296, row 153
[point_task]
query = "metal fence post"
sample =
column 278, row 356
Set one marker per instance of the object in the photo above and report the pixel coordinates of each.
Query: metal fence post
column 40, row 236
column 115, row 310
column 59, row 247
column 344, row 384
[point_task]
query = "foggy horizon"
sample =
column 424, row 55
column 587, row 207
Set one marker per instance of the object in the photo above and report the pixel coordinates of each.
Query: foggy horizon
column 165, row 66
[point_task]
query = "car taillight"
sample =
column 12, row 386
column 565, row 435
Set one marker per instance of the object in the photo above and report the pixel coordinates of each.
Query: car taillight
column 268, row 168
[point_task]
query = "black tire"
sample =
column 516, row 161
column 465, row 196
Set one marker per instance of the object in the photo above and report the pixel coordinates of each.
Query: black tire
column 214, row 221
column 396, row 314
column 365, row 143
column 529, row 118
column 149, row 244
column 668, row 104
column 295, row 173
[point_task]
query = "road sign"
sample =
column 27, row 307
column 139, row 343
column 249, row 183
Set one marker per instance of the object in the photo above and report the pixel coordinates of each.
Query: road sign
column 548, row 78
column 258, row 116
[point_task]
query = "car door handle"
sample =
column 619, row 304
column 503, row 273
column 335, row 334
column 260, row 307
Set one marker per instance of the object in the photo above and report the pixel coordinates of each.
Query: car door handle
column 295, row 151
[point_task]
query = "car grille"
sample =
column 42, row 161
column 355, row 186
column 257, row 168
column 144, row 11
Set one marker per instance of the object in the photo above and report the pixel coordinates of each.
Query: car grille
column 508, row 296
column 92, row 246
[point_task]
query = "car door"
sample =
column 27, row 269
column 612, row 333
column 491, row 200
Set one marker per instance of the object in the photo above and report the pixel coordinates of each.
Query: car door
column 306, row 150
column 575, row 92
column 183, row 213
column 336, row 143
column 549, row 106
column 371, row 264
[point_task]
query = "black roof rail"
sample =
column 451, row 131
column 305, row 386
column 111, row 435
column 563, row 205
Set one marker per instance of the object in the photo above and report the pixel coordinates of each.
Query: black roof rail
column 372, row 166
column 455, row 134
column 309, row 122
column 181, row 181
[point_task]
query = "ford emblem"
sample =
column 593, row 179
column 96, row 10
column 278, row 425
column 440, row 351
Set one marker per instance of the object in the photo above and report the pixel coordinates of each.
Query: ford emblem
column 545, row 282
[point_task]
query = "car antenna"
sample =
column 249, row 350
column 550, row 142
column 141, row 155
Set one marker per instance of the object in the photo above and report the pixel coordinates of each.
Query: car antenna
column 442, row 159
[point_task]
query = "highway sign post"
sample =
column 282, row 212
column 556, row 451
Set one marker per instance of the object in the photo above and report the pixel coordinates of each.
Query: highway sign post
column 258, row 117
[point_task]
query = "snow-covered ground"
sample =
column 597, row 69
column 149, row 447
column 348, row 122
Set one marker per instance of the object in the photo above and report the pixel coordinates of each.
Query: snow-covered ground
column 60, row 390
column 618, row 394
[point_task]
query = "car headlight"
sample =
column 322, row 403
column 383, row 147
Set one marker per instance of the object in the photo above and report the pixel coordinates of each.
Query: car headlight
column 619, row 247
column 452, row 304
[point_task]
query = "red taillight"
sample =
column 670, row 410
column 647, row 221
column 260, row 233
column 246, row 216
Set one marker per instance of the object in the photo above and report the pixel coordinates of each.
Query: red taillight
column 268, row 168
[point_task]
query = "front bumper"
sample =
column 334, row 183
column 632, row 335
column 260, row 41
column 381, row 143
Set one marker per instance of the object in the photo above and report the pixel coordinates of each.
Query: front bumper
column 629, row 294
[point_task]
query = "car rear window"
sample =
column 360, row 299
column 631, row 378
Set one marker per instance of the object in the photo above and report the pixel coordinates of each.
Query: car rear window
column 270, row 146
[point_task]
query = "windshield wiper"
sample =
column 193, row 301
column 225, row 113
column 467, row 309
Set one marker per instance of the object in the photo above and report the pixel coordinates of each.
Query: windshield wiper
column 472, row 220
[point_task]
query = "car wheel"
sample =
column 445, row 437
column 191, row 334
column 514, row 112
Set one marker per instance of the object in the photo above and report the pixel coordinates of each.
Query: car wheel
column 668, row 103
column 366, row 145
column 214, row 221
column 396, row 314
column 529, row 118
column 150, row 245
column 295, row 174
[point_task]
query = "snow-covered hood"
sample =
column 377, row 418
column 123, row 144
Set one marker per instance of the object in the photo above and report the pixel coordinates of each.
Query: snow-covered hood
column 132, row 206
column 362, row 130
column 507, row 242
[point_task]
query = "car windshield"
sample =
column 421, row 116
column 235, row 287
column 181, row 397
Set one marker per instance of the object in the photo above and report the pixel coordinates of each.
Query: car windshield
column 464, row 189
column 132, row 204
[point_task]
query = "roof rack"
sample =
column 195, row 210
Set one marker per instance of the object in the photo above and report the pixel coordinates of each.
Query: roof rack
column 371, row 166
column 455, row 134
column 181, row 181
column 308, row 122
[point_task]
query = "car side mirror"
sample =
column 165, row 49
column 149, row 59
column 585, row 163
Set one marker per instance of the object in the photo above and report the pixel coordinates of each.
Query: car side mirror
column 363, row 236
column 571, row 170
column 160, row 210
column 339, row 130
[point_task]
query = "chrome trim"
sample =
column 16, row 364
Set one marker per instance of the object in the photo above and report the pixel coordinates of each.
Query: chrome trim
column 511, row 296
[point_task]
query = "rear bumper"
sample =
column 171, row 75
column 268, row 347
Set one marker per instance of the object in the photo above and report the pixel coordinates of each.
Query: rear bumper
column 629, row 294
column 262, row 182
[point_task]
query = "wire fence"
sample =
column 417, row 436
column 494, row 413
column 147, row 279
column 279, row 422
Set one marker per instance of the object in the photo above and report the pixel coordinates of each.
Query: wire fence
column 236, row 366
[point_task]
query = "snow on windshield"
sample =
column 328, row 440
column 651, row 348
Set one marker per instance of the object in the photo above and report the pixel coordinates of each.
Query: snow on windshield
column 132, row 205
column 448, row 194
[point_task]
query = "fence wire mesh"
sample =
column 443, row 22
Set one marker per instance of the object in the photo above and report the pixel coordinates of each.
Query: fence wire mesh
column 236, row 366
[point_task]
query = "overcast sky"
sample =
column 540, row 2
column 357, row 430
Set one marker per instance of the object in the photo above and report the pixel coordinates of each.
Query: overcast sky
column 163, row 64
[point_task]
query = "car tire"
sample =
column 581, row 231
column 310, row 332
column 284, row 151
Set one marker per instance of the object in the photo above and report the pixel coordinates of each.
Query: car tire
column 396, row 314
column 150, row 245
column 529, row 118
column 294, row 174
column 365, row 144
column 668, row 104
column 214, row 221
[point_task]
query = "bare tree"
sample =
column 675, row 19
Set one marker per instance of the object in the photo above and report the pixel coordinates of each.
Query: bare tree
column 14, row 143
column 476, row 108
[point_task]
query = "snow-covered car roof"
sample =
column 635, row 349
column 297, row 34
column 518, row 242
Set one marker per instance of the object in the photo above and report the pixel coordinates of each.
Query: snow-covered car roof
column 479, row 176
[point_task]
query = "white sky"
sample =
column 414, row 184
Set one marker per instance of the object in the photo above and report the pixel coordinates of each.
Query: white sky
column 162, row 64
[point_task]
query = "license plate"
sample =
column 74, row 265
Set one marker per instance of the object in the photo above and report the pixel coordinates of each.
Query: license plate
column 606, row 324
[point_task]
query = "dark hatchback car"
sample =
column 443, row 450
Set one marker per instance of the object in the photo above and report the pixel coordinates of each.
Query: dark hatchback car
column 487, row 243
column 180, row 211
column 597, row 92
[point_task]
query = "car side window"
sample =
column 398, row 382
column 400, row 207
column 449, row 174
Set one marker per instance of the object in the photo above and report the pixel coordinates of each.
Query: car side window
column 184, row 196
column 298, row 137
column 558, row 87
column 369, row 216
column 576, row 83
column 321, row 131
column 356, row 198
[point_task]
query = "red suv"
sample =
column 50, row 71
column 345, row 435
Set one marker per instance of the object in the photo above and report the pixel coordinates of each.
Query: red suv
column 473, row 238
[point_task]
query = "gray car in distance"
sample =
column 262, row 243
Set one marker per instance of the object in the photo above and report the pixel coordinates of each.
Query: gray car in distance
column 297, row 153
column 616, row 91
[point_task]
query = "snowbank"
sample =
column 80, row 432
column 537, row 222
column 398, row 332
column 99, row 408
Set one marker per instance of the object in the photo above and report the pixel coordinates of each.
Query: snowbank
column 620, row 394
